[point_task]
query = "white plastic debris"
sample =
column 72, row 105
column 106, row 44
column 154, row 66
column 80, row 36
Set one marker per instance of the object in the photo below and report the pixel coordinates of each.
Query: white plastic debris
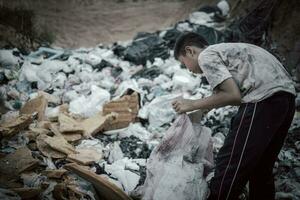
column 115, row 152
column 218, row 141
column 90, row 105
column 137, row 130
column 52, row 112
column 92, row 59
column 185, row 81
column 91, row 144
column 7, row 59
column 224, row 7
column 201, row 18
column 184, row 27
column 119, row 170
column 159, row 111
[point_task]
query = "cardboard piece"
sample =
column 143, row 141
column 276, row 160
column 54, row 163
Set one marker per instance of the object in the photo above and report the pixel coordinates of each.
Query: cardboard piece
column 126, row 107
column 85, row 156
column 16, row 125
column 59, row 143
column 96, row 123
column 15, row 163
column 104, row 188
column 68, row 124
column 54, row 173
column 28, row 193
column 38, row 104
column 46, row 150
column 72, row 137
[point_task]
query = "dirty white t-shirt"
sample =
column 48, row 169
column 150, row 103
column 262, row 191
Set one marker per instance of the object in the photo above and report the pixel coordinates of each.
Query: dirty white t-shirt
column 257, row 73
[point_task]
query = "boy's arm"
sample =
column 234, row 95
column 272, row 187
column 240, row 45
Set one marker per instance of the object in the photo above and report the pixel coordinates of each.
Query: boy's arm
column 226, row 93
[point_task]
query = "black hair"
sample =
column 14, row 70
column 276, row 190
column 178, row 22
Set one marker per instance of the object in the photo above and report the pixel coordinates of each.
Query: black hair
column 188, row 39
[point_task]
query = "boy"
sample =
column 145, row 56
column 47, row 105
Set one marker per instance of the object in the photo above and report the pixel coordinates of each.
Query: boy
column 246, row 75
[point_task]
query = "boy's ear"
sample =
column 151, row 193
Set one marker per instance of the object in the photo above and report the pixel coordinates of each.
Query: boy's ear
column 189, row 50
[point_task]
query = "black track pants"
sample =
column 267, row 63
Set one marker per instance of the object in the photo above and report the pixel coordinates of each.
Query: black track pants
column 251, row 148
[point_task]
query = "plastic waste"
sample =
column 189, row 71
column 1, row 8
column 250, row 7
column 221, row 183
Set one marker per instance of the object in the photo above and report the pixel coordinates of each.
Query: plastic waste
column 91, row 104
column 175, row 167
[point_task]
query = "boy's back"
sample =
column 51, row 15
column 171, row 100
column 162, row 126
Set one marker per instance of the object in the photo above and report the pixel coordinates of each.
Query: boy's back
column 257, row 73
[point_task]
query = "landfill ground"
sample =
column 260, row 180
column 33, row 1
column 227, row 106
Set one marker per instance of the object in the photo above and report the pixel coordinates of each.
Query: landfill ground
column 87, row 123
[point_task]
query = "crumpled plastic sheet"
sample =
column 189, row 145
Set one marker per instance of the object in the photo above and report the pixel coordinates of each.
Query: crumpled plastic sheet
column 175, row 167
column 123, row 170
column 90, row 105
column 159, row 111
column 201, row 18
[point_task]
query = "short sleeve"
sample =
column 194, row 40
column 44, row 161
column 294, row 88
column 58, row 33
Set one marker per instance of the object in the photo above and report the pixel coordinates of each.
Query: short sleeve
column 213, row 67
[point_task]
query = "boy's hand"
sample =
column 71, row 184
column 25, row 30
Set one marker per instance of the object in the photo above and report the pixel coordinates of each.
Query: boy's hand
column 181, row 105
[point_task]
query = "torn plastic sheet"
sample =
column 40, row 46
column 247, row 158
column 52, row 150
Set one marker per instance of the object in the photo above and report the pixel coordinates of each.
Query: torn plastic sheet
column 175, row 167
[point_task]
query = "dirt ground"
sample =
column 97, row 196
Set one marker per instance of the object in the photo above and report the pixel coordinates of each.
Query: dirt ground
column 86, row 23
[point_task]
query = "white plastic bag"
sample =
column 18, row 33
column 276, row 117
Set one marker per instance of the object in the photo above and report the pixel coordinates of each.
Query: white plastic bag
column 175, row 167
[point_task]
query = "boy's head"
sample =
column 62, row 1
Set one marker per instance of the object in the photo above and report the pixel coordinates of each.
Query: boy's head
column 187, row 49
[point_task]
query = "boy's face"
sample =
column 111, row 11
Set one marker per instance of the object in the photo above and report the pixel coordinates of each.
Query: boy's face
column 190, row 59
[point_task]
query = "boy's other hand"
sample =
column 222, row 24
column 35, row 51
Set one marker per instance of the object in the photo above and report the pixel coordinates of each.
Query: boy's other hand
column 181, row 105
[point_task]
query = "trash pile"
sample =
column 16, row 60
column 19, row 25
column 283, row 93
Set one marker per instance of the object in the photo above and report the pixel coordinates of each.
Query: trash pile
column 82, row 124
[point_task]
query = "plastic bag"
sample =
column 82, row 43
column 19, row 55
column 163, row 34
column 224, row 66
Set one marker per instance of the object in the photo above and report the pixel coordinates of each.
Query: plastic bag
column 176, row 166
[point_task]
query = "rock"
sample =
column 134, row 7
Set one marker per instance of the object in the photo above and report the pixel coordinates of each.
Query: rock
column 146, row 48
